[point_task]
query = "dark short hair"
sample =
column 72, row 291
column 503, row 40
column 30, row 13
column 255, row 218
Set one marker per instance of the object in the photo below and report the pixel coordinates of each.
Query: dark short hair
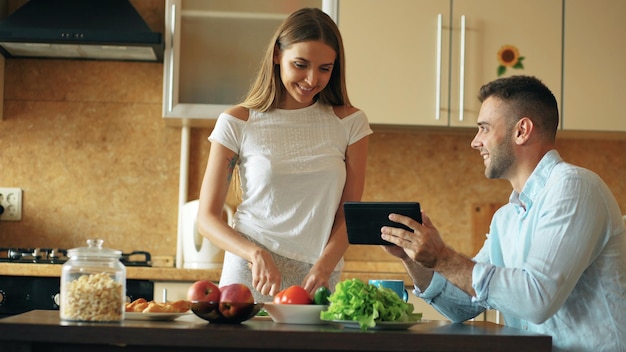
column 526, row 96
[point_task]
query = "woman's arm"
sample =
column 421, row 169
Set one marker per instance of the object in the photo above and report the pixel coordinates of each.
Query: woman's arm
column 356, row 160
column 215, row 184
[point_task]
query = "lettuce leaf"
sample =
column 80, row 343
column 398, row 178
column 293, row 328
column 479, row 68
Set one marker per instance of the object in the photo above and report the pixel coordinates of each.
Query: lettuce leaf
column 366, row 304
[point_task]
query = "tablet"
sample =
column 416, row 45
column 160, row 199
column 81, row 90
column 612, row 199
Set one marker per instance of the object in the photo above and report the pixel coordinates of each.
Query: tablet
column 364, row 219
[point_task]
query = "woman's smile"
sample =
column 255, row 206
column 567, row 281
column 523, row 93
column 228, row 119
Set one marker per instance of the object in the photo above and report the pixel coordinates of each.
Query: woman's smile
column 305, row 70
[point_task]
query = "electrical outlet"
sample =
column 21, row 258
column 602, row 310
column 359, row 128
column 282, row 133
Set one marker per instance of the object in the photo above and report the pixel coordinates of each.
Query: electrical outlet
column 11, row 202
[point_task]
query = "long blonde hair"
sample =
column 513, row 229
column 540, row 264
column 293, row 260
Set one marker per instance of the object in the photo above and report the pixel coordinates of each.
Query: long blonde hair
column 307, row 24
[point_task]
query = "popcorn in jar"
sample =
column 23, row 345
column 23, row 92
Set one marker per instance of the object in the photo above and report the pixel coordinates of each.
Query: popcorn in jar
column 93, row 285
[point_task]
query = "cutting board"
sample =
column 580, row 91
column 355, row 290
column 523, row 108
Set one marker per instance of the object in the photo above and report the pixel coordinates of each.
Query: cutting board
column 481, row 218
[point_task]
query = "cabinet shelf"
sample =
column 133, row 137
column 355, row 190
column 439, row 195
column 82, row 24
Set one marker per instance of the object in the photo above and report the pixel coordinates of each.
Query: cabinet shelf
column 213, row 50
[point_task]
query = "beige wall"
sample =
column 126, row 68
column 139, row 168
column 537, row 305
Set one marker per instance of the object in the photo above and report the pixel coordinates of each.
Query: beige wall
column 86, row 142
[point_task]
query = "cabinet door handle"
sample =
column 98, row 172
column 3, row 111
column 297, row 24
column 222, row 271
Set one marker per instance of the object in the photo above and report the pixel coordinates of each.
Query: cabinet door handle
column 462, row 70
column 438, row 80
column 170, row 59
column 331, row 7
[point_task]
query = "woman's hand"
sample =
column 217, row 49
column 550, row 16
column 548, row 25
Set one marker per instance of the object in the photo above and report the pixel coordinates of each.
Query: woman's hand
column 314, row 280
column 266, row 277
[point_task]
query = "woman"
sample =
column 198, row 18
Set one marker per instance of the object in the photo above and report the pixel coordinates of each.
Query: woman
column 301, row 151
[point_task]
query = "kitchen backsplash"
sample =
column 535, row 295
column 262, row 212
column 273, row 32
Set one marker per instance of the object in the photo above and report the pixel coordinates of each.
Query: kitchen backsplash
column 86, row 142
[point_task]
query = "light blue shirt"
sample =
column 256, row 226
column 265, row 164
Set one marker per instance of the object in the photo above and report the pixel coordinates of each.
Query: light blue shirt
column 553, row 263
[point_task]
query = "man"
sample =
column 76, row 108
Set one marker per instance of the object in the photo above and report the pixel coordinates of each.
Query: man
column 554, row 261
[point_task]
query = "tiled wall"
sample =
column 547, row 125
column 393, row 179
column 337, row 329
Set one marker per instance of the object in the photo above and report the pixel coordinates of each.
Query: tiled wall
column 86, row 142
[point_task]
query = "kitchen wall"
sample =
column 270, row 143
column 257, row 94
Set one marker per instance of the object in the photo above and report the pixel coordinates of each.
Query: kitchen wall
column 86, row 142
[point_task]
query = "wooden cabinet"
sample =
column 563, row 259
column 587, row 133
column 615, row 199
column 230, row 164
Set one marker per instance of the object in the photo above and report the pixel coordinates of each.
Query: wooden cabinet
column 213, row 49
column 171, row 290
column 593, row 70
column 1, row 87
column 423, row 62
column 392, row 59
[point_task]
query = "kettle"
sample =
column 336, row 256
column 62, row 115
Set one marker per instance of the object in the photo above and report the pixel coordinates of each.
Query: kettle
column 198, row 251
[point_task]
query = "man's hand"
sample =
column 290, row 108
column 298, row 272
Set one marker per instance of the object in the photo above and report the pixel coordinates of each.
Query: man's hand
column 424, row 245
column 396, row 252
column 425, row 251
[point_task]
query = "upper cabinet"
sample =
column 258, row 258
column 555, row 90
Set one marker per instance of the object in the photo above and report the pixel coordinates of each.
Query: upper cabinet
column 213, row 49
column 423, row 62
column 593, row 70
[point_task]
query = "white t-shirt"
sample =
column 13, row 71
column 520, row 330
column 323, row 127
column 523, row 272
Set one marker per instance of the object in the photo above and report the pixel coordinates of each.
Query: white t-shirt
column 292, row 170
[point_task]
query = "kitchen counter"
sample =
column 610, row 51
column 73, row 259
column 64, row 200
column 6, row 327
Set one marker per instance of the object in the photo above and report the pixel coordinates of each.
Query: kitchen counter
column 42, row 331
column 140, row 273
column 352, row 269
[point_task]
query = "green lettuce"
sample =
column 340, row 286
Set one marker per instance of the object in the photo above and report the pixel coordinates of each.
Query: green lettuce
column 366, row 304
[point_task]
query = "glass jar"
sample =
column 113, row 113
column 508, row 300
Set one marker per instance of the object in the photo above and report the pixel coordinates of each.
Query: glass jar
column 93, row 284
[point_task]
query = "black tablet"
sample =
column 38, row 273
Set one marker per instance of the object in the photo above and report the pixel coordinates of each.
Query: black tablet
column 364, row 219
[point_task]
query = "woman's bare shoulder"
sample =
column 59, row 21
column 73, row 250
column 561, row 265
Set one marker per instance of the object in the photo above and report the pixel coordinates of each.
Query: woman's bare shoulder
column 239, row 112
column 344, row 110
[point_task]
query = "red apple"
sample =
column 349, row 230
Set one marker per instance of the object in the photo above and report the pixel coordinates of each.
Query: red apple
column 236, row 301
column 203, row 291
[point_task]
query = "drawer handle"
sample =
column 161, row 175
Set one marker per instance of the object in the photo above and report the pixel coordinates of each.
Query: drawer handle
column 438, row 82
column 462, row 70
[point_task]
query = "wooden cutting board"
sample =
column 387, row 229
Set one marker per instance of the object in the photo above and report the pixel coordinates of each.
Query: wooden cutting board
column 481, row 218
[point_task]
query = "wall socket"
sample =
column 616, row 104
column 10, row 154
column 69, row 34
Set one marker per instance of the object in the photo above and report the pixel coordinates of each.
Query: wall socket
column 11, row 202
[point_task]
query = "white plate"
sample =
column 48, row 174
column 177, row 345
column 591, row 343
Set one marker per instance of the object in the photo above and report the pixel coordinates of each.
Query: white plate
column 153, row 316
column 381, row 325
column 295, row 313
column 261, row 317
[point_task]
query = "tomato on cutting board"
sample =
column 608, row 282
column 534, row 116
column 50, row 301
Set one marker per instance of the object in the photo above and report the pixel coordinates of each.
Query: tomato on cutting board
column 293, row 295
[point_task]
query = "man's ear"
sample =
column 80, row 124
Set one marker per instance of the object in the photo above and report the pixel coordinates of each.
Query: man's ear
column 523, row 129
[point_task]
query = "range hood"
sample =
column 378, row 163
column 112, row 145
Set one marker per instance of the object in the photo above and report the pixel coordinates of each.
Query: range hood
column 79, row 29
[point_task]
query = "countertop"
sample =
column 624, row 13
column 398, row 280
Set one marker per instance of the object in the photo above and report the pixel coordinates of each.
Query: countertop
column 41, row 330
column 352, row 269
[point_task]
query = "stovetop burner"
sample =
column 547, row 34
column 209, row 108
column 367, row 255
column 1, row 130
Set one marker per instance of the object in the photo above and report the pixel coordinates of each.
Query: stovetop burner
column 59, row 256
column 33, row 255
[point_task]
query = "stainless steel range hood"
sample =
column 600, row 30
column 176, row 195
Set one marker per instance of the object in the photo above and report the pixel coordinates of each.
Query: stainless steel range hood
column 79, row 29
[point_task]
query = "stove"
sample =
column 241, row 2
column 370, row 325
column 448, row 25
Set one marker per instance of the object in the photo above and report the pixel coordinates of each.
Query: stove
column 19, row 294
column 33, row 255
column 59, row 256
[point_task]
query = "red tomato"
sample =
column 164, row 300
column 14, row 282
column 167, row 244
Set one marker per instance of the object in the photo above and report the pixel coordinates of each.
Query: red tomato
column 278, row 297
column 293, row 295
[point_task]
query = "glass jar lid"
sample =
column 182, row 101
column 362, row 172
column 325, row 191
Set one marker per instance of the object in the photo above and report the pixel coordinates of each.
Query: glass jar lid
column 94, row 249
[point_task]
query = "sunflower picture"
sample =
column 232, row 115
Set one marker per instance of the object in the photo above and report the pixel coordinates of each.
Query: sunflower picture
column 508, row 56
